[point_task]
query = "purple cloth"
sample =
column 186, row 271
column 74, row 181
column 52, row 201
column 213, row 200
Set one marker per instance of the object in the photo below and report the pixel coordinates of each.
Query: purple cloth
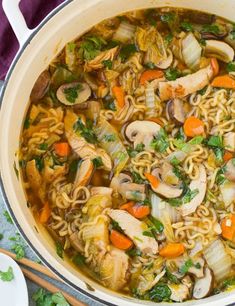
column 34, row 11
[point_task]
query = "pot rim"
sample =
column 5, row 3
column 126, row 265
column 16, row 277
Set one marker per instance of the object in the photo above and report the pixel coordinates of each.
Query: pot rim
column 2, row 189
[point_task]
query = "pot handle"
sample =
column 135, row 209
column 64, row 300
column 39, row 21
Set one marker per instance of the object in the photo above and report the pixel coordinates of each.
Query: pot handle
column 16, row 20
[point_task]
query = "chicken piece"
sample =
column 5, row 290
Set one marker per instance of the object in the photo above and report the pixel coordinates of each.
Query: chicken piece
column 97, row 62
column 114, row 269
column 186, row 85
column 179, row 292
column 35, row 179
column 134, row 229
column 80, row 146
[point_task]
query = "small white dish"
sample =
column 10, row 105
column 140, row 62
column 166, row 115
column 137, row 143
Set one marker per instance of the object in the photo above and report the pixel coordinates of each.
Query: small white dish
column 15, row 292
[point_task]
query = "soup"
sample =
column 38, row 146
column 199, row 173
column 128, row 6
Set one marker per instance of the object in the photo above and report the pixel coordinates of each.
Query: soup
column 127, row 154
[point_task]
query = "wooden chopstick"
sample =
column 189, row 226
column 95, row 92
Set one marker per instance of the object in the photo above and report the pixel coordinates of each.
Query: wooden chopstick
column 31, row 264
column 38, row 280
column 45, row 284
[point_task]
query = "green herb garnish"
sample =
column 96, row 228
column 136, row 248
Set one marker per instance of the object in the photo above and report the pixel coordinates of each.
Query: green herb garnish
column 137, row 178
column 172, row 74
column 91, row 46
column 107, row 63
column 8, row 217
column 133, row 152
column 39, row 163
column 186, row 26
column 97, row 162
column 160, row 292
column 109, row 138
column 211, row 28
column 79, row 259
column 168, row 38
column 7, row 276
column 126, row 51
column 85, row 131
column 160, row 142
column 168, row 17
column 43, row 146
column 43, row 298
column 230, row 67
column 186, row 266
column 133, row 252
column 71, row 93
column 59, row 249
column 186, row 198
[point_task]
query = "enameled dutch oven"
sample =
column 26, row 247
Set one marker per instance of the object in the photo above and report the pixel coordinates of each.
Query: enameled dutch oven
column 37, row 48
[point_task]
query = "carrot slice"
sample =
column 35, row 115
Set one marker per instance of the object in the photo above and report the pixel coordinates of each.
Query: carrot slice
column 224, row 81
column 62, row 149
column 156, row 120
column 228, row 227
column 120, row 241
column 119, row 95
column 149, row 75
column 45, row 213
column 215, row 65
column 136, row 210
column 227, row 156
column 152, row 179
column 172, row 250
column 193, row 127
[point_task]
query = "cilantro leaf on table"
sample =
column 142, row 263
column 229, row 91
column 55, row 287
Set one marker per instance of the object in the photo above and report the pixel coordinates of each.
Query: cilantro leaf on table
column 7, row 276
column 8, row 217
column 43, row 298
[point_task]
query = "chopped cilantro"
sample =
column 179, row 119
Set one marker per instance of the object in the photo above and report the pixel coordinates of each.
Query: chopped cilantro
column 85, row 131
column 18, row 247
column 27, row 123
column 230, row 67
column 186, row 266
column 175, row 161
column 109, row 138
column 43, row 298
column 171, row 277
column 71, row 46
column 160, row 142
column 71, row 93
column 215, row 141
column 91, row 46
column 150, row 65
column 39, row 163
column 126, row 51
column 160, row 292
column 186, row 26
column 59, row 249
column 1, row 236
column 7, row 276
column 97, row 162
column 8, row 217
column 134, row 252
column 43, row 146
column 79, row 259
column 172, row 74
column 168, row 17
column 133, row 152
column 137, row 178
column 107, row 63
column 211, row 28
column 168, row 38
column 186, row 198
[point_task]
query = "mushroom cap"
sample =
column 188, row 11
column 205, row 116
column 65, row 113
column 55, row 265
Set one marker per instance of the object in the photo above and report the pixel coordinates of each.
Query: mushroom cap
column 40, row 86
column 175, row 111
column 200, row 185
column 168, row 191
column 220, row 50
column 142, row 132
column 204, row 285
column 81, row 93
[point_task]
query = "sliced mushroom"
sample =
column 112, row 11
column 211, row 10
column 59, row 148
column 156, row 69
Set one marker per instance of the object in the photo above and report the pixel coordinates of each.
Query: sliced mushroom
column 220, row 50
column 101, row 190
column 142, row 132
column 41, row 86
column 98, row 61
column 197, row 271
column 186, row 85
column 198, row 184
column 179, row 292
column 230, row 170
column 165, row 63
column 84, row 172
column 175, row 111
column 123, row 185
column 168, row 191
column 229, row 141
column 227, row 190
column 134, row 229
column 203, row 286
column 73, row 93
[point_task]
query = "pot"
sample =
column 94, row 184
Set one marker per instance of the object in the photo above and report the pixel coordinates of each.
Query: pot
column 37, row 48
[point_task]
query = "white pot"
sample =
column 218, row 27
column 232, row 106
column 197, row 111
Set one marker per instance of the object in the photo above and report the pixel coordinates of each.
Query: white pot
column 37, row 48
